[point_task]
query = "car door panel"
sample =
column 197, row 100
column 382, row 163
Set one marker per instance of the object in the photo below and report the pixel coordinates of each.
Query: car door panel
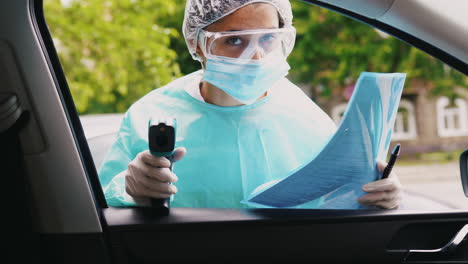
column 332, row 236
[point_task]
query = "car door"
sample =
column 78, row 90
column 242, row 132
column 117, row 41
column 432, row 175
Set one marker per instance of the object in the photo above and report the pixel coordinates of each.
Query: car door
column 70, row 222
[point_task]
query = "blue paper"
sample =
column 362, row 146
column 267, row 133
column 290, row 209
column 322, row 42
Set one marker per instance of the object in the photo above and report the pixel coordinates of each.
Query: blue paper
column 336, row 175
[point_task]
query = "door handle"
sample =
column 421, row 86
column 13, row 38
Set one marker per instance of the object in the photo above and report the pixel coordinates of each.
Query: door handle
column 450, row 247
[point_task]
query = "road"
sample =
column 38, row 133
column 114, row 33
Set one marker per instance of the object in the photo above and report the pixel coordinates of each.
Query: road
column 440, row 182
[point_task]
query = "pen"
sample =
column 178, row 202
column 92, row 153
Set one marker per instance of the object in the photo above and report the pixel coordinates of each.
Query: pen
column 391, row 162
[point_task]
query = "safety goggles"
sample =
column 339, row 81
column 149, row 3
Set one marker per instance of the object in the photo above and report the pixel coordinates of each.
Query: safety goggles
column 247, row 44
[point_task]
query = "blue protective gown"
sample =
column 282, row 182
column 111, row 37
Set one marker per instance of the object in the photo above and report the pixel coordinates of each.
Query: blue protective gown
column 230, row 150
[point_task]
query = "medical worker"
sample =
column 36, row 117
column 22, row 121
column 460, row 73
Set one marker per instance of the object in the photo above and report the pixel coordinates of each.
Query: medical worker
column 240, row 122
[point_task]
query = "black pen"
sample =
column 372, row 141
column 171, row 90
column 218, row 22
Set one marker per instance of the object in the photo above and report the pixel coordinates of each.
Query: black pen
column 391, row 162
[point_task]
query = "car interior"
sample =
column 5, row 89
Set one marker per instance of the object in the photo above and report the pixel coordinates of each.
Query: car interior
column 58, row 213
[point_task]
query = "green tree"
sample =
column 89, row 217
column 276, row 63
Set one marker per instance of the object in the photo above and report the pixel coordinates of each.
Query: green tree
column 184, row 59
column 331, row 50
column 115, row 51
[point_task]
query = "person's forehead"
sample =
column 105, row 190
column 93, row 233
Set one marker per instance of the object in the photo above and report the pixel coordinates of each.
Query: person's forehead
column 252, row 16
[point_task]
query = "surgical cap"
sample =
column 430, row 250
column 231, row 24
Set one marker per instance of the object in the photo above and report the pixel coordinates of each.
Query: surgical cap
column 201, row 13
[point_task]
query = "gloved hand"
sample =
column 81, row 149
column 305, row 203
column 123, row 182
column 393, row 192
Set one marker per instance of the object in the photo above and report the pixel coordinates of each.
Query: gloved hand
column 148, row 176
column 386, row 193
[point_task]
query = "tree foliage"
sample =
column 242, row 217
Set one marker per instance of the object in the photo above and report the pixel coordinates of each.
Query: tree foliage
column 115, row 51
column 331, row 50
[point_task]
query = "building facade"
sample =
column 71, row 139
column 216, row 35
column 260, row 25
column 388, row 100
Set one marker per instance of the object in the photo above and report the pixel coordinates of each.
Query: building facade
column 424, row 123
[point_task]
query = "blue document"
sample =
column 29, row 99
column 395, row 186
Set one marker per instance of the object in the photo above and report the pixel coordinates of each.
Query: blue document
column 334, row 178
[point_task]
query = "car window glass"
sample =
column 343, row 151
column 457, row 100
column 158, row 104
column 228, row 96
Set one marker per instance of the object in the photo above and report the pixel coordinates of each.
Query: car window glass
column 117, row 52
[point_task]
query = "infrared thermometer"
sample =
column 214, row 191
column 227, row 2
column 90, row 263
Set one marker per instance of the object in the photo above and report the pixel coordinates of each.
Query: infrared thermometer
column 161, row 141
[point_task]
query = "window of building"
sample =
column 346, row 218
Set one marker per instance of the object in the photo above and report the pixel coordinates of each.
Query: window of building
column 452, row 119
column 405, row 122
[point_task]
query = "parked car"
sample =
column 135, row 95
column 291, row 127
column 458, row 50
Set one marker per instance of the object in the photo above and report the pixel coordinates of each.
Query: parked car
column 56, row 207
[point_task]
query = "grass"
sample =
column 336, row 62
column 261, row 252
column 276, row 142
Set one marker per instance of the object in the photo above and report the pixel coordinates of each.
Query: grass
column 431, row 157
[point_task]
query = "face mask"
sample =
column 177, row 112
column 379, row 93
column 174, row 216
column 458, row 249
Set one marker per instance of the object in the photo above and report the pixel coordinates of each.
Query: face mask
column 245, row 81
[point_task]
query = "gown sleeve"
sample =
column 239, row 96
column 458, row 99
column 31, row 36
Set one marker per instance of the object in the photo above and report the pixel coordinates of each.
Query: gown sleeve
column 112, row 171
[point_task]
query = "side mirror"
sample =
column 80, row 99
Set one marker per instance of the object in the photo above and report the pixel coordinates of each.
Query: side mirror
column 464, row 171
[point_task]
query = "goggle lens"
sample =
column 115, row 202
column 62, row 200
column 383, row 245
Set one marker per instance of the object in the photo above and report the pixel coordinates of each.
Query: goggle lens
column 248, row 45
